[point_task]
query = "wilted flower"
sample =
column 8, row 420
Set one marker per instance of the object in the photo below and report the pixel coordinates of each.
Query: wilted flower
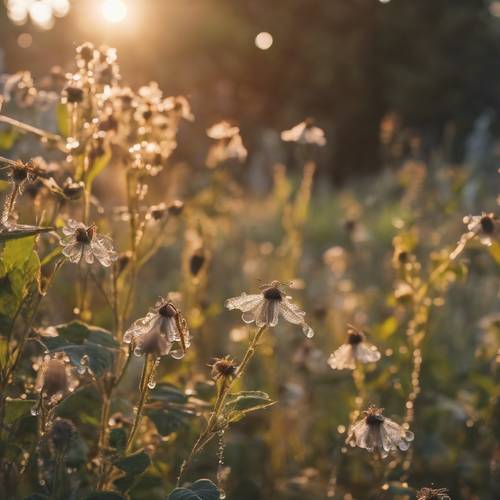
column 433, row 494
column 356, row 349
column 376, row 432
column 484, row 227
column 163, row 331
column 305, row 133
column 264, row 308
column 82, row 241
column 229, row 144
column 224, row 368
column 55, row 377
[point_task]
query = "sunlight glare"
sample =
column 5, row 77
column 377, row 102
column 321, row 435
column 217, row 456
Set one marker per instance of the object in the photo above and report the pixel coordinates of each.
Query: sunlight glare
column 114, row 11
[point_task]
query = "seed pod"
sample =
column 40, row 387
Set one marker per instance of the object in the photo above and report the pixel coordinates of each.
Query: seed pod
column 61, row 433
column 224, row 368
column 196, row 262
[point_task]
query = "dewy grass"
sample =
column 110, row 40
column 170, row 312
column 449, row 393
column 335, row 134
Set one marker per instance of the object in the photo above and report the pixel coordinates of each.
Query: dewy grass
column 110, row 385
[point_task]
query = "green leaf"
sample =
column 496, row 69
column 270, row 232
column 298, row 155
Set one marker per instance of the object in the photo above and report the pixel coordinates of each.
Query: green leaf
column 99, row 165
column 168, row 421
column 17, row 408
column 167, row 392
column 239, row 404
column 118, row 438
column 62, row 115
column 22, row 231
column 134, row 464
column 203, row 489
column 8, row 138
column 100, row 358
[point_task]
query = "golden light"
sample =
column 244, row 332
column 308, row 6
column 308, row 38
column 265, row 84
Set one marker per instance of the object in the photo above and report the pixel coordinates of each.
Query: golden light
column 264, row 40
column 41, row 13
column 24, row 40
column 114, row 11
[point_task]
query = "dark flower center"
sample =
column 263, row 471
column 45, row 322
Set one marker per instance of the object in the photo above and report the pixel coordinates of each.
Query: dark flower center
column 374, row 419
column 355, row 338
column 487, row 224
column 225, row 367
column 167, row 311
column 272, row 293
column 20, row 173
column 83, row 235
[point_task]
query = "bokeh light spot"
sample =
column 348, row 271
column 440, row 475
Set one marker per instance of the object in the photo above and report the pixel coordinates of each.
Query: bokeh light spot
column 114, row 11
column 264, row 40
column 24, row 40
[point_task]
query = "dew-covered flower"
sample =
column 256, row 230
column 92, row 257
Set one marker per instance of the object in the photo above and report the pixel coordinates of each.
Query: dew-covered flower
column 229, row 145
column 305, row 133
column 433, row 494
column 80, row 241
column 265, row 308
column 355, row 350
column 56, row 377
column 483, row 227
column 376, row 432
column 162, row 332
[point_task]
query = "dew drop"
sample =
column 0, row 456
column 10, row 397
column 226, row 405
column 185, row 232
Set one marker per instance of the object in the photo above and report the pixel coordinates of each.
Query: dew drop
column 222, row 495
column 35, row 411
column 152, row 384
column 138, row 352
column 177, row 354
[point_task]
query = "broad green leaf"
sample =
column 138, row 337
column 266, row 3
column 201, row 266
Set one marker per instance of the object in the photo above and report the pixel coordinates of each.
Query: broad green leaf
column 17, row 408
column 134, row 464
column 167, row 392
column 118, row 438
column 168, row 421
column 203, row 489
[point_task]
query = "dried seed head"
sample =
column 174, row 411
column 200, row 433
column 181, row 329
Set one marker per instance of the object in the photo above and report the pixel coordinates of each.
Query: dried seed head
column 433, row 494
column 176, row 207
column 86, row 52
column 61, row 433
column 73, row 94
column 73, row 189
column 196, row 261
column 487, row 224
column 224, row 368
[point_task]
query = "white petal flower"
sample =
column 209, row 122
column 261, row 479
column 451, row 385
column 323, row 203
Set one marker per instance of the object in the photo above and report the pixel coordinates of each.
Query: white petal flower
column 356, row 349
column 376, row 432
column 265, row 308
column 229, row 145
column 163, row 331
column 305, row 133
column 82, row 242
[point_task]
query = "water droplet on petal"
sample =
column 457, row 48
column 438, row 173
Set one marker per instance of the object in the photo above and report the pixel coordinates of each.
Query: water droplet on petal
column 138, row 352
column 177, row 353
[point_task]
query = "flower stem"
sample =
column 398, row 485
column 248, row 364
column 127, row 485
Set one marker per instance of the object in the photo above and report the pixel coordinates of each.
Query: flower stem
column 143, row 386
column 223, row 391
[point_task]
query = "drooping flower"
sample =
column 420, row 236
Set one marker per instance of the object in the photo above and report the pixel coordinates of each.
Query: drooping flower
column 265, row 308
column 376, row 432
column 81, row 241
column 483, row 227
column 305, row 133
column 433, row 494
column 229, row 144
column 162, row 332
column 355, row 350
column 56, row 377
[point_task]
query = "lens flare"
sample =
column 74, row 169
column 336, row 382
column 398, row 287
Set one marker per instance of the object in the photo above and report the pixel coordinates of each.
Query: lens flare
column 114, row 11
column 264, row 40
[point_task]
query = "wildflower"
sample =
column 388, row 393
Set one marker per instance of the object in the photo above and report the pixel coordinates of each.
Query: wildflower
column 229, row 144
column 264, row 308
column 433, row 494
column 356, row 349
column 81, row 241
column 224, row 368
column 484, row 227
column 376, row 432
column 61, row 434
column 55, row 377
column 163, row 331
column 305, row 133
